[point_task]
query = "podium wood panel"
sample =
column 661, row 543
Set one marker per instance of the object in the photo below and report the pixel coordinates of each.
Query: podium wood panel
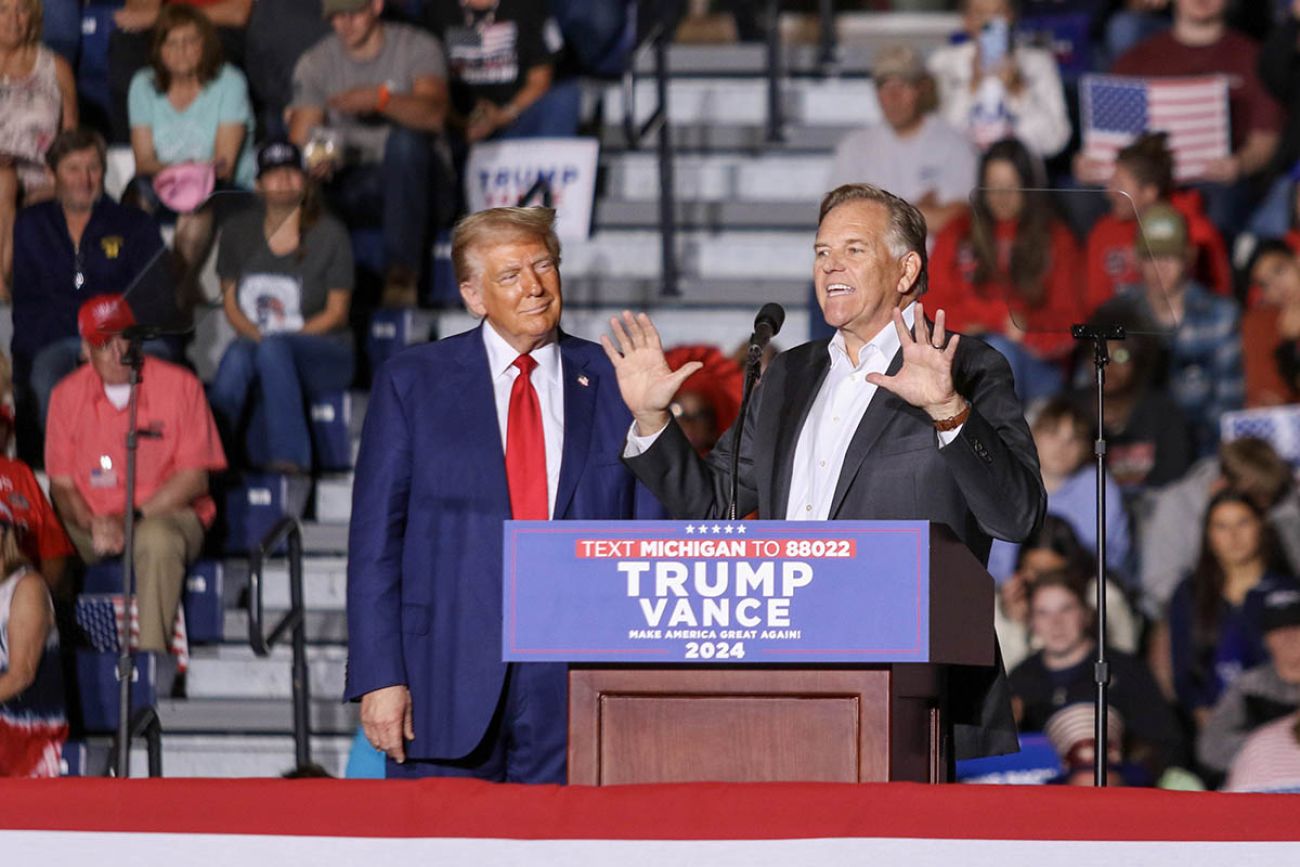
column 647, row 725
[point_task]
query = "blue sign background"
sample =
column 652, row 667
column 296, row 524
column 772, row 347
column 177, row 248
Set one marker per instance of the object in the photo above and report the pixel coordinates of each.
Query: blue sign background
column 872, row 607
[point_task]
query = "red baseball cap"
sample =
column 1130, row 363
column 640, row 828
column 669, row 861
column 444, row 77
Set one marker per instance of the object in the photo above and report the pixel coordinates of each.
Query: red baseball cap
column 102, row 318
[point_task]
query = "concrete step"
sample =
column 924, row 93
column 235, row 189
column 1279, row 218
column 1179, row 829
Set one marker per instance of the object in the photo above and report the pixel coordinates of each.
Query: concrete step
column 329, row 716
column 230, row 671
column 743, row 101
column 323, row 627
column 860, row 34
column 728, row 255
column 325, row 537
column 190, row 755
column 727, row 178
column 334, row 498
column 712, row 216
column 705, row 137
column 324, row 583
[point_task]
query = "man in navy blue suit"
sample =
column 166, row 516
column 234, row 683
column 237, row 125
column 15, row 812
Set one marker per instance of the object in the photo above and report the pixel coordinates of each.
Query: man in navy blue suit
column 512, row 419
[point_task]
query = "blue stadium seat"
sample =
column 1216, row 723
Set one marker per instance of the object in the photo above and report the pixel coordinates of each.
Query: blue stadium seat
column 393, row 330
column 201, row 597
column 330, row 417
column 250, row 504
column 97, row 685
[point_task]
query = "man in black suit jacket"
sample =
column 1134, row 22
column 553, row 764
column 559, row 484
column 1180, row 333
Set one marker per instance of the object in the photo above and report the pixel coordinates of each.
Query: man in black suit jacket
column 890, row 419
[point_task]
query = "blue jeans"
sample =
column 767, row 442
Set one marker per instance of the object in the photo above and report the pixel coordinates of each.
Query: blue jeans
column 396, row 194
column 61, row 357
column 1272, row 216
column 287, row 368
column 598, row 32
column 555, row 115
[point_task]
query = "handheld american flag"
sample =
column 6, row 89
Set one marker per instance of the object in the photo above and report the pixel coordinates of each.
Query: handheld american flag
column 1194, row 112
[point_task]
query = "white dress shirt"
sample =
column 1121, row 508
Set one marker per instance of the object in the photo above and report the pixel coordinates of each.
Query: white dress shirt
column 548, row 381
column 834, row 417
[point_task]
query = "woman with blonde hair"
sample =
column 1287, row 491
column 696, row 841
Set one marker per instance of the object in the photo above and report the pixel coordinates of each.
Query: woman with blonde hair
column 33, row 726
column 38, row 98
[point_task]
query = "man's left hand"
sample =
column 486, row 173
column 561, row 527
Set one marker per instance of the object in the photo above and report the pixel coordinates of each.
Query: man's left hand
column 925, row 379
column 358, row 100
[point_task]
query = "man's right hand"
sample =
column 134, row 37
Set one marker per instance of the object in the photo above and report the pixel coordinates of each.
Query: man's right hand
column 644, row 378
column 107, row 535
column 386, row 720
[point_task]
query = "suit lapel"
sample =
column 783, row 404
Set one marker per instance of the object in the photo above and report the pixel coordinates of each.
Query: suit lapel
column 580, row 385
column 883, row 408
column 472, row 378
column 801, row 387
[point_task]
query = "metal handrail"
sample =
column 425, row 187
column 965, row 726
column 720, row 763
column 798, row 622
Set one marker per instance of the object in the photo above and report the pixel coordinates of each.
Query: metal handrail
column 288, row 530
column 146, row 724
column 657, row 37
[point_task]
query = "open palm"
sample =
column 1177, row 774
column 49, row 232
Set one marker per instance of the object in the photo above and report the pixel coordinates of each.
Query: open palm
column 645, row 380
column 925, row 379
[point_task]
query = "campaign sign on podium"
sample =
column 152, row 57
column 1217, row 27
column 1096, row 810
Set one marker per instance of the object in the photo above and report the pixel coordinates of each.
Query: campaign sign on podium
column 757, row 592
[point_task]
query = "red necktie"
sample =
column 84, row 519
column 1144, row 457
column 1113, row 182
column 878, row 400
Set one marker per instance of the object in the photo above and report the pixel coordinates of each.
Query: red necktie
column 526, row 448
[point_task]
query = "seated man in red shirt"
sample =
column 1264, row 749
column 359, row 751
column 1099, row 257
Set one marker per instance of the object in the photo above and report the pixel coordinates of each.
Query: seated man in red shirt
column 85, row 456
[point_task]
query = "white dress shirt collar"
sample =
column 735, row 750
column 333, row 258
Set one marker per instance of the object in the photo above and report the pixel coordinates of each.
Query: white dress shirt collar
column 501, row 356
column 885, row 342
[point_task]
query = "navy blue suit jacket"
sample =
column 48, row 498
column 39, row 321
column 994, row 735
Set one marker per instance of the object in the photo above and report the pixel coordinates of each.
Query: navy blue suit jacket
column 424, row 546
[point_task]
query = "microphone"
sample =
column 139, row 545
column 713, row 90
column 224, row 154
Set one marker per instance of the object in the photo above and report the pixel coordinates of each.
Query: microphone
column 141, row 333
column 767, row 324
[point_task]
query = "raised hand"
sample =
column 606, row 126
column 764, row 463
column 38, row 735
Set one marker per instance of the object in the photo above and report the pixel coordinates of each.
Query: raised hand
column 925, row 379
column 644, row 377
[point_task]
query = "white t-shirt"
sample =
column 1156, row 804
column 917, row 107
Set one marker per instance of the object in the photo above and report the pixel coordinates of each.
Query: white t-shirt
column 936, row 157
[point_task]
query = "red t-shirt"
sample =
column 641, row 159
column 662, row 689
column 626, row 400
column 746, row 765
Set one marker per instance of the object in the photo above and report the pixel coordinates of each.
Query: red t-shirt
column 987, row 307
column 1112, row 256
column 86, row 437
column 1249, row 105
column 40, row 535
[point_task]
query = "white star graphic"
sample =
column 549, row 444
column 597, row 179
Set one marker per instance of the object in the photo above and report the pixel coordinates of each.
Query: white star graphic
column 690, row 529
column 716, row 529
column 741, row 529
column 728, row 529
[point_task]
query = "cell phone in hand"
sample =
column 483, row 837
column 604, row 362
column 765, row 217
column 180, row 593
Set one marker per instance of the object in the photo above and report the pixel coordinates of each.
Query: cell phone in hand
column 994, row 43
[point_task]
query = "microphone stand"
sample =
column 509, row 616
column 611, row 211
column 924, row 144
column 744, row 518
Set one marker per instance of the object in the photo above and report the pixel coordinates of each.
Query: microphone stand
column 1098, row 336
column 752, row 366
column 134, row 359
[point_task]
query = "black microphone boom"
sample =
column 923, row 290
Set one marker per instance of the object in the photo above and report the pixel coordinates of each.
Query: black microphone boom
column 152, row 332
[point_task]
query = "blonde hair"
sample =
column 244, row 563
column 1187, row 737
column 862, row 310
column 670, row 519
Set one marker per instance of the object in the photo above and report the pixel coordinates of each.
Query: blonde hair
column 11, row 556
column 493, row 224
column 37, row 13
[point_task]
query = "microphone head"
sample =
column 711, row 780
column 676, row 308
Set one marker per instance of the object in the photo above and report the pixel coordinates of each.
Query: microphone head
column 773, row 315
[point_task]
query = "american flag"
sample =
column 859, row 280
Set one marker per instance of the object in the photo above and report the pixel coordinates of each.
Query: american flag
column 100, row 617
column 1193, row 111
column 1279, row 425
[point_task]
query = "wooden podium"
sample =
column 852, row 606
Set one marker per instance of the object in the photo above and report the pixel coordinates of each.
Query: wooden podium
column 828, row 723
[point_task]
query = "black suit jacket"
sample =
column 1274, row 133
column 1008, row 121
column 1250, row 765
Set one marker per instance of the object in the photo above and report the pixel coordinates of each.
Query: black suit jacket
column 984, row 484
